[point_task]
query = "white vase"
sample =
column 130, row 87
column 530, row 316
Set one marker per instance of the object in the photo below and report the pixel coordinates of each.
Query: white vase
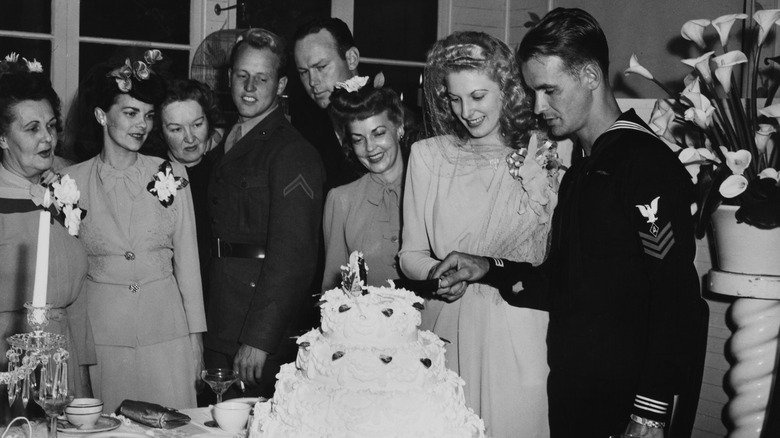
column 742, row 248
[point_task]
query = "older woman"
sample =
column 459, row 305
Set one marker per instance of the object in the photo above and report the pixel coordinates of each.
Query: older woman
column 29, row 118
column 364, row 215
column 144, row 286
column 189, row 116
column 460, row 196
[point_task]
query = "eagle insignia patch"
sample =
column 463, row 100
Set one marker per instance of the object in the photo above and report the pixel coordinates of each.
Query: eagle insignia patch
column 650, row 212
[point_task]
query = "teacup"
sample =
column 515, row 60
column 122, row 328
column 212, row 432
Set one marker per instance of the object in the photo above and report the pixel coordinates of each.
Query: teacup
column 231, row 416
column 84, row 412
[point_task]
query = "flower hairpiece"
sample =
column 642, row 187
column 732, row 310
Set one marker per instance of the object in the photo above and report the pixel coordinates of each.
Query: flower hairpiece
column 13, row 58
column 353, row 84
column 141, row 70
column 164, row 184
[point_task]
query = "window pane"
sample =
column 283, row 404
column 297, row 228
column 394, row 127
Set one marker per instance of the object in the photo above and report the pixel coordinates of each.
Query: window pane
column 39, row 50
column 398, row 29
column 175, row 63
column 26, row 16
column 145, row 20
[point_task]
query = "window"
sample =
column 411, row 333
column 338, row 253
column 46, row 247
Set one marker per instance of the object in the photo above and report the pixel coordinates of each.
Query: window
column 69, row 37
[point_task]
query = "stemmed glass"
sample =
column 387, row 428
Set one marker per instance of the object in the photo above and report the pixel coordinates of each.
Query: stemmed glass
column 51, row 392
column 219, row 379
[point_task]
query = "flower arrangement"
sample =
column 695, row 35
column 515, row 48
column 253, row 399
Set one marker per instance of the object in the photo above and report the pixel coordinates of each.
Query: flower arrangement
column 164, row 184
column 64, row 195
column 141, row 70
column 726, row 145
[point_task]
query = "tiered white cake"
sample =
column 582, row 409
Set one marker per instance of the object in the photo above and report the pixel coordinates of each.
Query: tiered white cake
column 368, row 372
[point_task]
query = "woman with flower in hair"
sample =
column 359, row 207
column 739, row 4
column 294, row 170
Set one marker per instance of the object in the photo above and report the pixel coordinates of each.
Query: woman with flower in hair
column 29, row 122
column 144, row 287
column 365, row 215
column 468, row 190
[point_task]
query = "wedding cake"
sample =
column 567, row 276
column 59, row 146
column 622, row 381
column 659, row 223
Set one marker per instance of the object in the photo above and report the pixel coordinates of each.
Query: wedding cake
column 367, row 372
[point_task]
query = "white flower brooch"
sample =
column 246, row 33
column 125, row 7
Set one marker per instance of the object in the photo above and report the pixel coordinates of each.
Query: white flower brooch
column 164, row 184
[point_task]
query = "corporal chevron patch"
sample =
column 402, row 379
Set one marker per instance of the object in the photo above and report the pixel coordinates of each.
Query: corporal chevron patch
column 299, row 182
column 658, row 246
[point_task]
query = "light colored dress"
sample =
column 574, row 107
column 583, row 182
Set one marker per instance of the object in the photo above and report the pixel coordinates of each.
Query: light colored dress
column 460, row 198
column 363, row 215
column 20, row 207
column 144, row 286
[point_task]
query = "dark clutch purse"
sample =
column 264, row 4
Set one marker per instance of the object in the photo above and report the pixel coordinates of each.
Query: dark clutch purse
column 153, row 415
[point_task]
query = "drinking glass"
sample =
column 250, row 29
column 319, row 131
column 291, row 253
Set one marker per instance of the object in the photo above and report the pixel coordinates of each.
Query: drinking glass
column 219, row 379
column 53, row 400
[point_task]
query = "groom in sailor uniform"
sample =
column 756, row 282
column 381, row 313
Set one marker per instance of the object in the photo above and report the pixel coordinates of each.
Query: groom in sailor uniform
column 627, row 323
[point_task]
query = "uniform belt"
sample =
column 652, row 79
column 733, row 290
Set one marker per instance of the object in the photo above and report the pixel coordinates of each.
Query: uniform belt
column 220, row 248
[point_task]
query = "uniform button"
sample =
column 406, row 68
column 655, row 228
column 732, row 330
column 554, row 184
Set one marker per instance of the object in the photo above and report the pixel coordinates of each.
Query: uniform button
column 134, row 288
column 252, row 284
column 213, row 220
column 129, row 256
column 243, row 184
column 394, row 239
column 395, row 265
column 215, row 200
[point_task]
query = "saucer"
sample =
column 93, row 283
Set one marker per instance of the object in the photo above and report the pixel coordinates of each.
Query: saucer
column 103, row 424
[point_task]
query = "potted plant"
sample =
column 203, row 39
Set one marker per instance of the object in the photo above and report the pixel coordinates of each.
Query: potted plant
column 722, row 136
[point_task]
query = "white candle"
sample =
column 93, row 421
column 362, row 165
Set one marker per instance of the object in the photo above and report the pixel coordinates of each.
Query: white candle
column 42, row 261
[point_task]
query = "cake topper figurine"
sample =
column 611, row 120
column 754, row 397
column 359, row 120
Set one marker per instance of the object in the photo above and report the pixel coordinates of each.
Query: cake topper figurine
column 353, row 276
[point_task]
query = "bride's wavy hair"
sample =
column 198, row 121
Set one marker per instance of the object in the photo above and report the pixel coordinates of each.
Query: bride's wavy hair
column 468, row 50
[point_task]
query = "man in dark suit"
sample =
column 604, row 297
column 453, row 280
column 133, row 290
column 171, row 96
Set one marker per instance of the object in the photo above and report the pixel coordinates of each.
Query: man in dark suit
column 325, row 54
column 265, row 197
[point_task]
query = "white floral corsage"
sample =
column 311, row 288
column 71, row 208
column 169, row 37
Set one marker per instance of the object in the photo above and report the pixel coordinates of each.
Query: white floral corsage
column 353, row 84
column 164, row 184
column 64, row 194
column 546, row 156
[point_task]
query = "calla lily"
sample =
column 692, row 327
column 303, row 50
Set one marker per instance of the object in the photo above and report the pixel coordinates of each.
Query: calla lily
column 765, row 20
column 771, row 111
column 701, row 111
column 723, row 25
column 737, row 161
column 702, row 118
column 692, row 84
column 693, row 30
column 733, row 186
column 770, row 173
column 661, row 121
column 763, row 134
column 702, row 64
column 636, row 68
column 692, row 160
column 724, row 64
column 707, row 155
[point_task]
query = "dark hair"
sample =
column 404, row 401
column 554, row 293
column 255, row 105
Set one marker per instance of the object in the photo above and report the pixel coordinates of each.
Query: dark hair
column 462, row 51
column 18, row 84
column 190, row 89
column 337, row 28
column 260, row 39
column 101, row 90
column 570, row 34
column 346, row 107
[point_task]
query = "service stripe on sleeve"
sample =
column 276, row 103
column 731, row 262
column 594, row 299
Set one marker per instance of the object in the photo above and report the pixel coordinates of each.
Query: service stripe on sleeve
column 651, row 405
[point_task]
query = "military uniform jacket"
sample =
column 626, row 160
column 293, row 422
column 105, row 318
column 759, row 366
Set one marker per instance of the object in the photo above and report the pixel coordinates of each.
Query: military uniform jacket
column 619, row 283
column 266, row 191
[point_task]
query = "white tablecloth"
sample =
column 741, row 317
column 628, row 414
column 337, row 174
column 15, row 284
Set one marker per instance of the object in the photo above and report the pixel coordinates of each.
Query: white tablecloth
column 196, row 428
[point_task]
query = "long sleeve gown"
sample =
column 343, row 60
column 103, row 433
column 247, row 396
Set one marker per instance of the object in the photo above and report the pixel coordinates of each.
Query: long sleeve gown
column 462, row 198
column 143, row 285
